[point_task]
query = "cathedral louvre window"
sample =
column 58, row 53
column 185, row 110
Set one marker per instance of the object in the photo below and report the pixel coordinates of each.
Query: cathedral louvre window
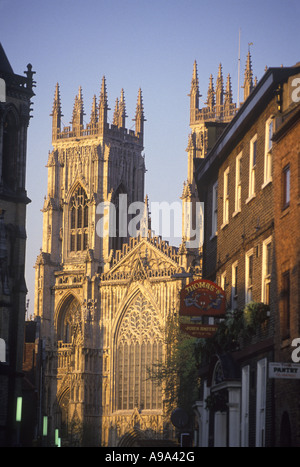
column 79, row 221
column 139, row 347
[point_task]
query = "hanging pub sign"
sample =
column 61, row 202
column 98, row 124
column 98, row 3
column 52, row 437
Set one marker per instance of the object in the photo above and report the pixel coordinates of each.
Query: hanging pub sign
column 202, row 298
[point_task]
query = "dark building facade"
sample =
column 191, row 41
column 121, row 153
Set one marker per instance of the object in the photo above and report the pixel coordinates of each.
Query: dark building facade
column 236, row 183
column 15, row 100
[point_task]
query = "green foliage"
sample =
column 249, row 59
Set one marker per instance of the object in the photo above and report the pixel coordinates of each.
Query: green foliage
column 237, row 326
column 177, row 374
column 217, row 401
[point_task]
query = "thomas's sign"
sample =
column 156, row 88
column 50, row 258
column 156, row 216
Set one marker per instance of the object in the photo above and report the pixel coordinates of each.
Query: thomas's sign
column 202, row 298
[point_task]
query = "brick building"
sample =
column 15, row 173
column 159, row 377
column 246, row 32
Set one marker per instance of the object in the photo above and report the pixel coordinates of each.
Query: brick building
column 286, row 176
column 236, row 183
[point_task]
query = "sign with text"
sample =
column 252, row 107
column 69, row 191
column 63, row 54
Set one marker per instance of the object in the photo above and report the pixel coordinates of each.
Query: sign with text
column 199, row 330
column 284, row 370
column 202, row 298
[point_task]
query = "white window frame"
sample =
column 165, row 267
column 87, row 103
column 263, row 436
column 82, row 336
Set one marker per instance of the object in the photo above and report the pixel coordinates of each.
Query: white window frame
column 234, row 285
column 252, row 168
column 245, row 406
column 266, row 277
column 268, row 151
column 261, row 392
column 286, row 173
column 248, row 283
column 238, row 185
column 223, row 280
column 225, row 198
column 214, row 218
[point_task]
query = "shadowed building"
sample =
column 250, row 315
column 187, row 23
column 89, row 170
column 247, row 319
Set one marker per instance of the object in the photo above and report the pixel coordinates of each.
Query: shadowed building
column 15, row 100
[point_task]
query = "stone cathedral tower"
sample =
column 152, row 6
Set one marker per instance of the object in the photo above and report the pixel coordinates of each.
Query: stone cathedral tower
column 102, row 300
column 206, row 124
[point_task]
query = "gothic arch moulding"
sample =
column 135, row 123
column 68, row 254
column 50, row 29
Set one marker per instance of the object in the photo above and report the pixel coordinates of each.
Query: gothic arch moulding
column 66, row 317
column 138, row 345
column 78, row 183
column 133, row 291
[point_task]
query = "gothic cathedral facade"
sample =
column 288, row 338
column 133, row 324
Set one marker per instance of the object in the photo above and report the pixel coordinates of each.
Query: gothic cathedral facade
column 102, row 296
column 102, row 299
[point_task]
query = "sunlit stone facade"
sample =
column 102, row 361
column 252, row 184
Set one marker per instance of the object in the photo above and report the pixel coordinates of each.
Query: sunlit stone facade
column 102, row 300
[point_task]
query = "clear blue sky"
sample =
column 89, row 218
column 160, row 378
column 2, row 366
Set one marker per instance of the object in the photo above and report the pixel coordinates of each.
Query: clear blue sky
column 150, row 44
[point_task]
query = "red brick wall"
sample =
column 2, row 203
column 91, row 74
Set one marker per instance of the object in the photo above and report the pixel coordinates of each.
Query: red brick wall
column 287, row 236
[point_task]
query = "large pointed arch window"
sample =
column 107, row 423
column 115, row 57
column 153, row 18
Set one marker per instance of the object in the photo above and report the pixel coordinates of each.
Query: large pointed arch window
column 139, row 346
column 79, row 219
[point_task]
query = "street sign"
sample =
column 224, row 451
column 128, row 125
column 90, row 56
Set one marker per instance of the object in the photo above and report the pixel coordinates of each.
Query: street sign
column 199, row 330
column 202, row 298
column 284, row 370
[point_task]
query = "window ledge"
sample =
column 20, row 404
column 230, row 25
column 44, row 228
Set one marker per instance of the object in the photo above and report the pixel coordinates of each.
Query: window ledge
column 250, row 198
column 236, row 213
column 214, row 235
column 266, row 183
column 224, row 225
column 285, row 212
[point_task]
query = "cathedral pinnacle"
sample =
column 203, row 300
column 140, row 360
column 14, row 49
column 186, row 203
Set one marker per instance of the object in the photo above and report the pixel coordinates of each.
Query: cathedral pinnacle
column 103, row 94
column 248, row 80
column 94, row 113
column 56, row 113
column 210, row 94
column 194, row 94
column 78, row 113
column 195, row 81
column 122, row 110
column 103, row 106
column 116, row 113
column 139, row 115
column 56, row 102
column 219, row 87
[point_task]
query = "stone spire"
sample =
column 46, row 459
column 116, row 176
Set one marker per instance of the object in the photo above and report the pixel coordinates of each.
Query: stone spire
column 78, row 113
column 116, row 113
column 194, row 94
column 56, row 113
column 122, row 110
column 211, row 95
column 248, row 80
column 139, row 116
column 103, row 105
column 228, row 101
column 219, row 87
column 228, row 92
column 219, row 92
column 94, row 113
